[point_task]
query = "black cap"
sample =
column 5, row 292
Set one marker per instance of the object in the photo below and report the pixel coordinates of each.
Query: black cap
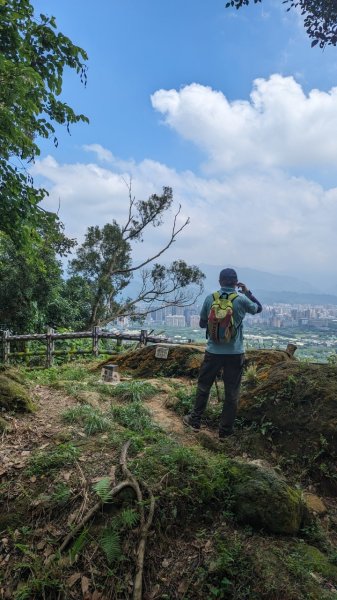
column 228, row 274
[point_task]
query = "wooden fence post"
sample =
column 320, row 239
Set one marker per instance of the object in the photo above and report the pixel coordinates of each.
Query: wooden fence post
column 50, row 347
column 95, row 340
column 6, row 347
column 291, row 349
column 2, row 349
column 143, row 337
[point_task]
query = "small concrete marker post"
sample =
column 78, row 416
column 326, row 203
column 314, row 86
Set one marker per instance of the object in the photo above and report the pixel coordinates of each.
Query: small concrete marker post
column 110, row 374
column 162, row 352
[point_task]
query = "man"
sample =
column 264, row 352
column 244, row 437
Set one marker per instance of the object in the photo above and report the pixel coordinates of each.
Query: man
column 223, row 354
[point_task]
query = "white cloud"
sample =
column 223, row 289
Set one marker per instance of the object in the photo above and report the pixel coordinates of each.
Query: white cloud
column 280, row 126
column 270, row 221
column 248, row 209
column 102, row 154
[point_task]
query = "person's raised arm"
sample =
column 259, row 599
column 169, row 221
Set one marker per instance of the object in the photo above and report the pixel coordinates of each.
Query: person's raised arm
column 244, row 290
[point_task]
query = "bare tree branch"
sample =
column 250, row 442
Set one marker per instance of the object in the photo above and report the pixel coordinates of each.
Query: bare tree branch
column 125, row 310
column 174, row 234
column 132, row 200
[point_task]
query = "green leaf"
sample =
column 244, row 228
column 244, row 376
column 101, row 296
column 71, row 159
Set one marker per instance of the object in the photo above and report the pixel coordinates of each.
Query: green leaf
column 103, row 489
column 110, row 543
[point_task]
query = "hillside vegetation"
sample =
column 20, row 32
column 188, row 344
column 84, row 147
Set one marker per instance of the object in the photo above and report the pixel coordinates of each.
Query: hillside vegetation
column 95, row 477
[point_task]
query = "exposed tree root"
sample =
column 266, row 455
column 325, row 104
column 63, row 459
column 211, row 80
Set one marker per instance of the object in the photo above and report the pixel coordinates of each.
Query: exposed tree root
column 138, row 583
column 114, row 492
column 145, row 522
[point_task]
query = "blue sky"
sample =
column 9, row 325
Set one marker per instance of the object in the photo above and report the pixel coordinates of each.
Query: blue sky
column 139, row 51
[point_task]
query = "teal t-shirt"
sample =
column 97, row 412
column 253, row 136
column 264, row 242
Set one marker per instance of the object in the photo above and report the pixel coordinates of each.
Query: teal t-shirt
column 241, row 306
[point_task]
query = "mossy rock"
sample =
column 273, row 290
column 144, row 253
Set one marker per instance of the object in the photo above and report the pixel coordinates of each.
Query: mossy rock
column 14, row 396
column 264, row 500
column 315, row 561
column 3, row 425
column 200, row 481
column 12, row 373
column 289, row 570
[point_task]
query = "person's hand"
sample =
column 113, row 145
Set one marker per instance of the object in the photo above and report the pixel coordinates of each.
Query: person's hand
column 242, row 288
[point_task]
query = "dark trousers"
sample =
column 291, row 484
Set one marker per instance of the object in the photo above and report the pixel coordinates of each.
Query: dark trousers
column 232, row 367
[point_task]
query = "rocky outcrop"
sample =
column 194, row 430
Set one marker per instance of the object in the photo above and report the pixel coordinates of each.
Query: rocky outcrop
column 14, row 395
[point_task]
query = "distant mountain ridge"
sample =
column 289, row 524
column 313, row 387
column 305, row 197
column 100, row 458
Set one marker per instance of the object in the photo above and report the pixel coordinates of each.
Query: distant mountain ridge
column 260, row 280
column 268, row 287
column 285, row 297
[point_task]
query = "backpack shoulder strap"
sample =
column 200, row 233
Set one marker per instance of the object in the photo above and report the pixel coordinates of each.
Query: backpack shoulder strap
column 216, row 296
column 232, row 296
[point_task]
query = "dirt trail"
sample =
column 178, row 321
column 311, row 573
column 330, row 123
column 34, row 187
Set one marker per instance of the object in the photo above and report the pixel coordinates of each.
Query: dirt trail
column 173, row 424
column 30, row 431
column 39, row 430
column 167, row 419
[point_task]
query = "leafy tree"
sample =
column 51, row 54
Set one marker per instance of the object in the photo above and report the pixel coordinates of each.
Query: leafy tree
column 33, row 293
column 27, row 286
column 320, row 18
column 105, row 262
column 71, row 305
column 33, row 56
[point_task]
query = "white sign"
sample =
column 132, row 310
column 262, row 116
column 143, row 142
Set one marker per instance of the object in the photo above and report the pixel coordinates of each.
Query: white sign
column 162, row 352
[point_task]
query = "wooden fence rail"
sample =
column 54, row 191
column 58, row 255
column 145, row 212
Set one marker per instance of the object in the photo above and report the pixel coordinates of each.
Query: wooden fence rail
column 50, row 337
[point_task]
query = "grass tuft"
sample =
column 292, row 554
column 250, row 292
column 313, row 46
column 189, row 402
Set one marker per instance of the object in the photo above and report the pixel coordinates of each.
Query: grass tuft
column 92, row 419
column 64, row 454
column 134, row 391
column 250, row 375
column 133, row 416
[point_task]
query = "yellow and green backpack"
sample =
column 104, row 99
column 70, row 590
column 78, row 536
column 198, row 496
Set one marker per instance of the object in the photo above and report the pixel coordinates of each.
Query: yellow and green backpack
column 220, row 325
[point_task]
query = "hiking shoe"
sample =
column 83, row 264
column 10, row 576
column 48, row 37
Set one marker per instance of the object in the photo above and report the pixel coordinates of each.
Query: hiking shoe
column 223, row 435
column 188, row 423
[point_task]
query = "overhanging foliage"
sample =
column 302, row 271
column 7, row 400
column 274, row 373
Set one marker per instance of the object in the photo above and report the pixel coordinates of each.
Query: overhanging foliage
column 320, row 18
column 33, row 56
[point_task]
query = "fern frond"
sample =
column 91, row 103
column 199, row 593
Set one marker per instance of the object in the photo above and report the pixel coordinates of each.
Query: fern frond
column 110, row 543
column 103, row 489
column 78, row 544
column 128, row 518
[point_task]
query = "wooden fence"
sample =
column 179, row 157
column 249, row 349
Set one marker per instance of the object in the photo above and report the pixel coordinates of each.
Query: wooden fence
column 50, row 337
